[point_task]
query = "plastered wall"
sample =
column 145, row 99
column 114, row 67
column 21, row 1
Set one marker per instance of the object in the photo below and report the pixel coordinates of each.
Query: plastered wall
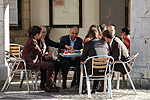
column 140, row 35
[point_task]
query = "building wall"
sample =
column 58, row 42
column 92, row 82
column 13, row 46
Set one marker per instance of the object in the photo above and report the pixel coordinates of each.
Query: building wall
column 4, row 24
column 40, row 12
column 90, row 15
column 35, row 12
column 139, row 26
column 140, row 35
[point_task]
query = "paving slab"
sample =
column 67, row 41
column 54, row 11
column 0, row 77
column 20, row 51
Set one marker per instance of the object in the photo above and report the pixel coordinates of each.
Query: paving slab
column 14, row 92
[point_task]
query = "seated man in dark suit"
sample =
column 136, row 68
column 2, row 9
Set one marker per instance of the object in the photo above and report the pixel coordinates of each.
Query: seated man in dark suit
column 32, row 54
column 76, row 42
column 117, row 50
column 92, row 48
column 51, row 43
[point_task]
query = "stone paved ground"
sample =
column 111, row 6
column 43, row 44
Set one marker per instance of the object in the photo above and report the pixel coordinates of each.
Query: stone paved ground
column 14, row 92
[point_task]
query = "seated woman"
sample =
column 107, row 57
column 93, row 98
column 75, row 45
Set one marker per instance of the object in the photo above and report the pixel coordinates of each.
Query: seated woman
column 101, row 28
column 86, row 39
column 126, row 36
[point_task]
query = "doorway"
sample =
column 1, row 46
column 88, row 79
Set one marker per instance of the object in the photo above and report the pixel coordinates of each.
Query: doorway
column 114, row 12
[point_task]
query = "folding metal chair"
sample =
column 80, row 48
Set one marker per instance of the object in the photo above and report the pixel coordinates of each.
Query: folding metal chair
column 99, row 62
column 130, row 61
column 13, row 65
column 16, row 49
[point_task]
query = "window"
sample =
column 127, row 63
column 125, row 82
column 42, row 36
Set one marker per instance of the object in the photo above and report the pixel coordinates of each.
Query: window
column 65, row 13
column 15, row 14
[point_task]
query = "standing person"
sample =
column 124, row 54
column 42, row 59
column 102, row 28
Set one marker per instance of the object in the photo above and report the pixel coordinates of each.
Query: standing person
column 94, row 47
column 126, row 35
column 76, row 42
column 118, row 51
column 51, row 43
column 32, row 54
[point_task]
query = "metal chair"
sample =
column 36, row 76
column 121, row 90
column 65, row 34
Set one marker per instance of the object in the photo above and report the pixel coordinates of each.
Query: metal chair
column 16, row 49
column 13, row 65
column 131, row 61
column 99, row 62
column 55, row 55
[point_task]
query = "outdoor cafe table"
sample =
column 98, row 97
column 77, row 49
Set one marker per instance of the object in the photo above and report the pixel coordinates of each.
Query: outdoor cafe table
column 70, row 54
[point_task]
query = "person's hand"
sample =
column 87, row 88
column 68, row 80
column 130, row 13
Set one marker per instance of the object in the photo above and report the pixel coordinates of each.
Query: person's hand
column 42, row 40
column 72, row 58
column 44, row 47
column 48, row 53
column 68, row 47
column 46, row 57
column 81, row 62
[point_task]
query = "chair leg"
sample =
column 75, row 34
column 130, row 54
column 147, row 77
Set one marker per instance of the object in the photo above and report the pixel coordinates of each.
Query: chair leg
column 88, row 87
column 9, row 80
column 109, row 87
column 27, row 81
column 130, row 79
column 131, row 83
column 5, row 84
column 36, row 79
column 118, row 80
column 81, row 81
column 21, row 75
column 59, row 75
column 124, row 82
column 32, row 80
column 22, row 80
column 105, row 84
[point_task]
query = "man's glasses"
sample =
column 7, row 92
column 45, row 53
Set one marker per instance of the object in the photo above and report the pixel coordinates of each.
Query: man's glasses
column 44, row 32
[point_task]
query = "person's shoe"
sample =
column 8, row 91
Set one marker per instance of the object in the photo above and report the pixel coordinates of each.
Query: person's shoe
column 56, row 87
column 73, row 84
column 51, row 89
column 101, row 90
column 42, row 87
column 84, row 91
column 73, row 89
column 93, row 91
column 64, row 85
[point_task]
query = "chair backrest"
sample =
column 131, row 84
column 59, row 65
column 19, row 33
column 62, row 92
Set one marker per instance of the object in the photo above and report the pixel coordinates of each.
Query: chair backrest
column 12, row 60
column 55, row 54
column 16, row 49
column 101, row 62
column 132, row 58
